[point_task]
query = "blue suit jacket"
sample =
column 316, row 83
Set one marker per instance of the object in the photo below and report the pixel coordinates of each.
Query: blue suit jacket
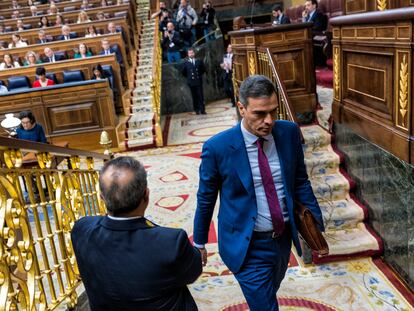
column 225, row 170
column 135, row 265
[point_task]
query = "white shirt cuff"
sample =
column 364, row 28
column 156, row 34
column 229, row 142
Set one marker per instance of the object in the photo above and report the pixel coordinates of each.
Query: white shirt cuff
column 199, row 245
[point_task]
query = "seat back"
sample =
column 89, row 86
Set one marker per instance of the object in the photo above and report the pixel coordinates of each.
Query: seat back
column 52, row 76
column 18, row 83
column 73, row 76
column 69, row 8
column 109, row 74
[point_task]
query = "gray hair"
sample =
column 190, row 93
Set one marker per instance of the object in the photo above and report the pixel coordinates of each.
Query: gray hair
column 256, row 86
column 120, row 196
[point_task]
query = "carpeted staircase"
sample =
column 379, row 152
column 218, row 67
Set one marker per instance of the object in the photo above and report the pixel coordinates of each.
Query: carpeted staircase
column 347, row 232
column 139, row 127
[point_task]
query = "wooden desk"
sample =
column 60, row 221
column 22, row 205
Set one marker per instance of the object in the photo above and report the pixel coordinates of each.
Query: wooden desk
column 94, row 44
column 291, row 48
column 373, row 82
column 85, row 65
column 75, row 114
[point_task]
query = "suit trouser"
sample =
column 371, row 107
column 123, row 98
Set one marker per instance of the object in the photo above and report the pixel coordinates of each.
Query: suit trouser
column 263, row 270
column 198, row 98
column 228, row 88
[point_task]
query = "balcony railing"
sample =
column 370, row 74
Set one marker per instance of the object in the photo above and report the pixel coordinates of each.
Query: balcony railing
column 44, row 189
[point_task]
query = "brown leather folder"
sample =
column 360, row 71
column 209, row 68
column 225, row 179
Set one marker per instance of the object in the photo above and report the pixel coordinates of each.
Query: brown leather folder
column 307, row 226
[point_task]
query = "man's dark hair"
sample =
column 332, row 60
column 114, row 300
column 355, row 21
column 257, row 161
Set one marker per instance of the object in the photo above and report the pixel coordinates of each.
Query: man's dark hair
column 191, row 49
column 314, row 2
column 277, row 7
column 121, row 197
column 27, row 114
column 255, row 86
column 40, row 71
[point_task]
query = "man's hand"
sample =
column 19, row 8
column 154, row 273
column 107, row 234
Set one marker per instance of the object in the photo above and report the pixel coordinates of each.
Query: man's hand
column 203, row 252
column 305, row 13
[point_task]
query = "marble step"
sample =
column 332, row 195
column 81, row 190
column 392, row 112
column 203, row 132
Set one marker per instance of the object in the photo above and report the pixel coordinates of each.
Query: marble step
column 321, row 162
column 341, row 214
column 135, row 143
column 141, row 109
column 140, row 134
column 141, row 120
column 141, row 101
column 316, row 138
column 330, row 187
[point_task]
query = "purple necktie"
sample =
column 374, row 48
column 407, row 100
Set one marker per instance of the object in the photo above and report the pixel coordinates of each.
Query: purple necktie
column 270, row 189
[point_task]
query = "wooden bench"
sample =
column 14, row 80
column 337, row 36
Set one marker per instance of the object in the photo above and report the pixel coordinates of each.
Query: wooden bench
column 69, row 46
column 83, row 64
column 75, row 113
column 72, row 16
column 31, row 35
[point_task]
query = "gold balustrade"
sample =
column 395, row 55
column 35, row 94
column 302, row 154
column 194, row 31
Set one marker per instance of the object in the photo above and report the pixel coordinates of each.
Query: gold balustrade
column 156, row 83
column 43, row 190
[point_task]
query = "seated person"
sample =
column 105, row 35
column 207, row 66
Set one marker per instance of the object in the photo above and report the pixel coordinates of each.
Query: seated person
column 33, row 11
column 51, row 57
column 3, row 88
column 29, row 129
column 42, row 81
column 85, row 5
column 19, row 25
column 16, row 41
column 1, row 28
column 91, row 32
column 136, row 263
column 15, row 4
column 66, row 34
column 311, row 14
column 59, row 20
column 83, row 51
column 83, row 17
column 108, row 50
column 53, row 9
column 9, row 62
column 104, row 3
column 44, row 22
column 279, row 17
column 31, row 59
column 100, row 16
column 98, row 73
column 112, row 28
column 42, row 38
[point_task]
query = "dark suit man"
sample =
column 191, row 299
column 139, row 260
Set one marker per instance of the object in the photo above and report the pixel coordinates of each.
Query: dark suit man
column 51, row 57
column 172, row 43
column 126, row 262
column 193, row 69
column 227, row 74
column 107, row 50
column 67, row 34
column 311, row 14
column 258, row 169
column 279, row 17
column 42, row 38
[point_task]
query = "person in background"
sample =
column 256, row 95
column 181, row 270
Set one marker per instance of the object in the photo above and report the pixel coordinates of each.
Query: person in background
column 1, row 28
column 8, row 62
column 186, row 20
column 33, row 11
column 15, row 14
column 163, row 8
column 42, row 80
column 111, row 28
column 91, row 32
column 53, row 9
column 100, row 16
column 85, row 5
column 108, row 50
column 164, row 20
column 3, row 88
column 227, row 66
column 98, row 73
column 142, row 266
column 67, row 34
column 83, row 17
column 29, row 129
column 208, row 14
column 193, row 69
column 31, row 59
column 312, row 14
column 44, row 22
column 83, row 51
column 19, row 25
column 59, row 20
column 15, row 4
column 104, row 3
column 16, row 41
column 51, row 57
column 172, row 44
column 279, row 17
column 42, row 38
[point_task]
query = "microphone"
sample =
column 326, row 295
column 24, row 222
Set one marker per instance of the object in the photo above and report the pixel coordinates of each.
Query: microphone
column 251, row 13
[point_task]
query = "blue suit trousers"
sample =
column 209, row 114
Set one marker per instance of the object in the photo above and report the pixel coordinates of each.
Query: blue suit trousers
column 263, row 270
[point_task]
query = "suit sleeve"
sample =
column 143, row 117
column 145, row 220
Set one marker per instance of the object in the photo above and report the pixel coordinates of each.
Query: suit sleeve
column 188, row 265
column 303, row 189
column 209, row 186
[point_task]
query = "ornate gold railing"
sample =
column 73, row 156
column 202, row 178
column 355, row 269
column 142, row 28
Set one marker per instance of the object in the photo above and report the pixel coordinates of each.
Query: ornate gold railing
column 43, row 190
column 156, row 84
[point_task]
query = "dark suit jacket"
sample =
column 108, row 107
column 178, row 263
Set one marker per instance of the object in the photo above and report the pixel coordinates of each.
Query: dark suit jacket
column 72, row 35
column 319, row 21
column 176, row 39
column 58, row 57
column 285, row 19
column 193, row 73
column 135, row 265
column 225, row 170
column 45, row 41
column 117, row 54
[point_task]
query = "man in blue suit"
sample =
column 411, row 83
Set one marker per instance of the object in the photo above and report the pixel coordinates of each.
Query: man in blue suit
column 108, row 50
column 257, row 168
column 126, row 262
column 311, row 14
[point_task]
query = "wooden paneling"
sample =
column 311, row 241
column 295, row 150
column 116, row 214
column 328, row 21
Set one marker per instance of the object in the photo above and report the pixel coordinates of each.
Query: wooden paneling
column 291, row 47
column 373, row 83
column 76, row 114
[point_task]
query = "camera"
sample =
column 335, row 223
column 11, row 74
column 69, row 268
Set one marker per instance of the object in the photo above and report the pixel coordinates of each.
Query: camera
column 170, row 31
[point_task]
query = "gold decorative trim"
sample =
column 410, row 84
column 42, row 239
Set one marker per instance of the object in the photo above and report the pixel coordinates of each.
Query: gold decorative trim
column 336, row 66
column 381, row 5
column 403, row 92
column 252, row 63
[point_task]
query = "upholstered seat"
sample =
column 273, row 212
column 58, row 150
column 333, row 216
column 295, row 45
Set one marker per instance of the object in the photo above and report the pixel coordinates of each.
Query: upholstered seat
column 18, row 83
column 52, row 76
column 73, row 76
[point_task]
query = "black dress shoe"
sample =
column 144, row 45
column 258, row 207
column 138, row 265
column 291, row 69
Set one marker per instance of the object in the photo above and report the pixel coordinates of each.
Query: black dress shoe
column 197, row 112
column 203, row 112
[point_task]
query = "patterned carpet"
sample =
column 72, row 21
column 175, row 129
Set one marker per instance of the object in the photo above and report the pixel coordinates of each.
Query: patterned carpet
column 358, row 284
